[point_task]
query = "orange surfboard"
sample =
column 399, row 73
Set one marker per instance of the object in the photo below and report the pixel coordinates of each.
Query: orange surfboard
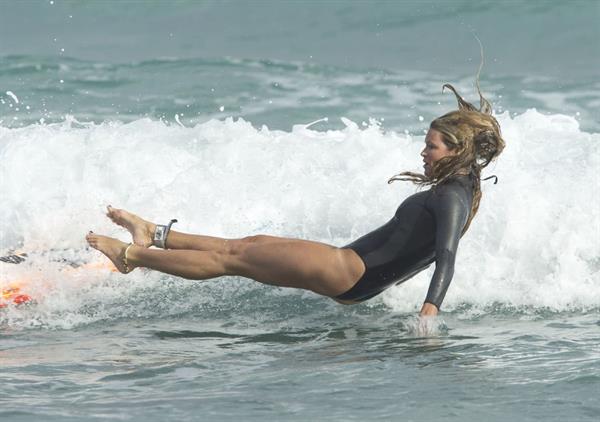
column 14, row 293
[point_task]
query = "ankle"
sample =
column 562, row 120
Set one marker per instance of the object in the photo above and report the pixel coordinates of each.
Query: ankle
column 160, row 234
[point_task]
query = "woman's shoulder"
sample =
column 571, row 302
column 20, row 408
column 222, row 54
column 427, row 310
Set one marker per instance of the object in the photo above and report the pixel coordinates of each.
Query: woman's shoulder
column 458, row 183
column 456, row 190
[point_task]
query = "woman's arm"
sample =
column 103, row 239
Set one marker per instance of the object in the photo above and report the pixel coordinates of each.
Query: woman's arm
column 451, row 210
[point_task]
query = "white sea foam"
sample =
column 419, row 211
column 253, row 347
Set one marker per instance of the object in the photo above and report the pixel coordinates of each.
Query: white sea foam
column 534, row 242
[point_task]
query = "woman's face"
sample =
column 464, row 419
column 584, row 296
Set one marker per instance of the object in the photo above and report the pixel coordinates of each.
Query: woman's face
column 435, row 149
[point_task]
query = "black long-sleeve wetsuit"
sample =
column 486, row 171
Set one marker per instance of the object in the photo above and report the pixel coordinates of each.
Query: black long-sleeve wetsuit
column 426, row 227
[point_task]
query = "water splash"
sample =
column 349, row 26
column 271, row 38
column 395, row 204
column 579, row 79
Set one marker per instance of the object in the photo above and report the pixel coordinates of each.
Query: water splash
column 533, row 243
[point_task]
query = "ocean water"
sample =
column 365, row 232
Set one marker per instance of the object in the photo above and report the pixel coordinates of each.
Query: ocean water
column 287, row 118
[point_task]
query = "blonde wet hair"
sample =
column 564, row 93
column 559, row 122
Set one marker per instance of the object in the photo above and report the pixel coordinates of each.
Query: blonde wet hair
column 474, row 135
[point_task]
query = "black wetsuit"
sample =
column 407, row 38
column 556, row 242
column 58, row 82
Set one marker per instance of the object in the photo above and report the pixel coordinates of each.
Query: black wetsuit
column 426, row 228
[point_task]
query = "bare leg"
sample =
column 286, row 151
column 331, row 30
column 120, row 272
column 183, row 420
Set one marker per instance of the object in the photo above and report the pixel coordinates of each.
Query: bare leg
column 178, row 240
column 142, row 232
column 295, row 263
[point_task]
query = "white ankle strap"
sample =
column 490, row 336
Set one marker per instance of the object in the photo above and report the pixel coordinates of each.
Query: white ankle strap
column 161, row 233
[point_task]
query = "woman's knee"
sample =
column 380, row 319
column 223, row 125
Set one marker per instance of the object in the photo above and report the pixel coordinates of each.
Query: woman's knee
column 259, row 238
column 237, row 250
column 237, row 247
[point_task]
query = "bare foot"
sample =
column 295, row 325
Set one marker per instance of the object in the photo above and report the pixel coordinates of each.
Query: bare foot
column 141, row 230
column 114, row 249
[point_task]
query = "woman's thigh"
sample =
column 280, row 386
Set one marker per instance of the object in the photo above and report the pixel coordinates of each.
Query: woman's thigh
column 304, row 264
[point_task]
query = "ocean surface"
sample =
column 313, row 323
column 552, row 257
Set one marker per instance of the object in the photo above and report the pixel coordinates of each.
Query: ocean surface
column 287, row 118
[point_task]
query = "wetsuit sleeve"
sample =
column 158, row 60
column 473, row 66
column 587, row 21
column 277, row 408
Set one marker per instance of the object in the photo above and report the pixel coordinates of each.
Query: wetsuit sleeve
column 451, row 210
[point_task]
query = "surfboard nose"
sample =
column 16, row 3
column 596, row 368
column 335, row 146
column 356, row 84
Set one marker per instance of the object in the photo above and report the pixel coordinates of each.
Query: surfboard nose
column 12, row 295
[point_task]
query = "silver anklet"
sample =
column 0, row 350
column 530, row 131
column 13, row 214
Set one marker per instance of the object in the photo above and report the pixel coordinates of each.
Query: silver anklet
column 161, row 233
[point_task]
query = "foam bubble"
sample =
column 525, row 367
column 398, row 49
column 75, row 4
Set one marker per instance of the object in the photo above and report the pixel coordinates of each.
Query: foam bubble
column 13, row 96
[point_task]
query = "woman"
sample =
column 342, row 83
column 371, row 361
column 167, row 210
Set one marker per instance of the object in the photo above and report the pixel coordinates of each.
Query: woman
column 426, row 228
